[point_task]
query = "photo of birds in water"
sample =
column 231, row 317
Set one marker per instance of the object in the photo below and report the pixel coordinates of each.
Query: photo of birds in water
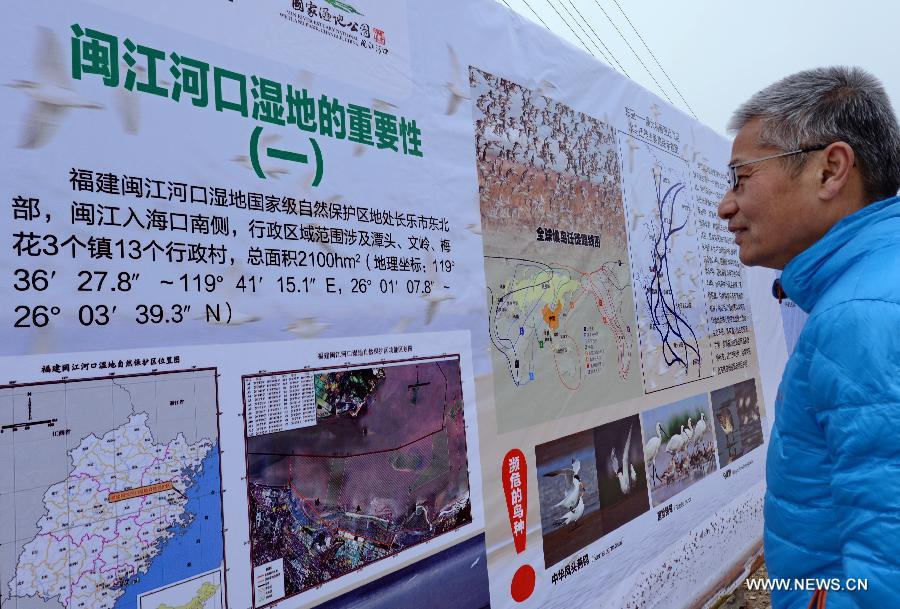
column 679, row 446
column 590, row 483
column 570, row 503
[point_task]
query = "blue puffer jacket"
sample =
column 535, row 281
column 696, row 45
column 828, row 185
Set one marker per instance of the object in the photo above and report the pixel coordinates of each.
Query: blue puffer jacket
column 832, row 505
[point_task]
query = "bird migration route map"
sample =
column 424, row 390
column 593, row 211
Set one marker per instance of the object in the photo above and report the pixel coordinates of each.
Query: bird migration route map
column 124, row 472
column 666, row 268
column 560, row 300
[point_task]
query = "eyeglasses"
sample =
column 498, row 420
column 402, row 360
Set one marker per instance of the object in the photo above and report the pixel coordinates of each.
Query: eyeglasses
column 733, row 176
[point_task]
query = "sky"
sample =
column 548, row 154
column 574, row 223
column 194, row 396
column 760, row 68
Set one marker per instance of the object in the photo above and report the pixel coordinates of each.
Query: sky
column 719, row 53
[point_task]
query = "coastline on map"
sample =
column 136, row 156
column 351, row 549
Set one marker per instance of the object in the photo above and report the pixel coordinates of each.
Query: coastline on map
column 178, row 557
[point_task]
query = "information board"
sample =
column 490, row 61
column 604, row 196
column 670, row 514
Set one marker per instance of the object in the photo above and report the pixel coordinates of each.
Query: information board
column 364, row 304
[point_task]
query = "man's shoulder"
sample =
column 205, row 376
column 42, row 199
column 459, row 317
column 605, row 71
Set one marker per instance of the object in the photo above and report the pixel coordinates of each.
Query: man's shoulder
column 855, row 331
column 872, row 280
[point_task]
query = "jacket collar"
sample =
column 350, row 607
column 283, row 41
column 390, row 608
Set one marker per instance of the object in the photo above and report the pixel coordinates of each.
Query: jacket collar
column 808, row 275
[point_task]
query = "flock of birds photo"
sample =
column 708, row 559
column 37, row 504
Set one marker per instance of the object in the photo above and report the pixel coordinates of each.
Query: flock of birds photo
column 594, row 481
column 541, row 163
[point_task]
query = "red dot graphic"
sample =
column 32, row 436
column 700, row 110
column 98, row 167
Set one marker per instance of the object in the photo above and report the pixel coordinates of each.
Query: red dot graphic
column 523, row 583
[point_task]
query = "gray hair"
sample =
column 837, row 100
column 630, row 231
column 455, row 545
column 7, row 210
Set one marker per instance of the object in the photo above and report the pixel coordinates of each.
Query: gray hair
column 827, row 105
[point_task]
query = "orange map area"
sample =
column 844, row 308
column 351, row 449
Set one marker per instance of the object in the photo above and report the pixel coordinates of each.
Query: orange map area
column 141, row 491
column 551, row 316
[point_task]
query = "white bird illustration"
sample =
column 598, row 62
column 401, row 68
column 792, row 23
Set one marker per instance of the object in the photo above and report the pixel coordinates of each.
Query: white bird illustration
column 271, row 171
column 651, row 449
column 676, row 443
column 626, row 474
column 574, row 514
column 573, row 485
column 635, row 219
column 663, row 366
column 307, row 327
column 402, row 325
column 237, row 319
column 437, row 295
column 433, row 301
column 127, row 104
column 52, row 97
column 632, row 146
column 701, row 428
column 381, row 105
column 688, row 434
column 305, row 189
column 457, row 91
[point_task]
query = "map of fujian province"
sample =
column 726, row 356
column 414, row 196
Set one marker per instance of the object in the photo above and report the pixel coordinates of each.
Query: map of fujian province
column 114, row 483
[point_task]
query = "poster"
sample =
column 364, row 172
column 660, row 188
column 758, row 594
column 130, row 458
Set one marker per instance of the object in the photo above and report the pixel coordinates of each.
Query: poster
column 307, row 301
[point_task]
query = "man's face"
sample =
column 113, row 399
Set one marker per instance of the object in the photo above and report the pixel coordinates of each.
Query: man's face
column 768, row 212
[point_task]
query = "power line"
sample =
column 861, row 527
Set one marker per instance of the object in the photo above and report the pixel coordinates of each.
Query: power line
column 619, row 32
column 604, row 55
column 571, row 30
column 655, row 59
column 507, row 4
column 600, row 39
column 588, row 36
column 536, row 15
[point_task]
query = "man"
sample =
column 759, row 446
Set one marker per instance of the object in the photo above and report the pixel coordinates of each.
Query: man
column 815, row 170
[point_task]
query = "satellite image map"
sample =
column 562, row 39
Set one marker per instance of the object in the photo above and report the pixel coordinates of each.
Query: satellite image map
column 383, row 469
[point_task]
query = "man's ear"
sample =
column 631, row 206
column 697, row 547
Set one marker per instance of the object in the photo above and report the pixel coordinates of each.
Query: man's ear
column 836, row 165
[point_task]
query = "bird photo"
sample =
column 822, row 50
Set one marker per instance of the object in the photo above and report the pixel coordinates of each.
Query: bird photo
column 651, row 449
column 622, row 476
column 567, row 488
column 624, row 472
column 576, row 512
column 737, row 422
column 681, row 451
column 574, row 486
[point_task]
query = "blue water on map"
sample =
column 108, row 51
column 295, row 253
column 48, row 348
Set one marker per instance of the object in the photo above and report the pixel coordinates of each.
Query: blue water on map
column 194, row 549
